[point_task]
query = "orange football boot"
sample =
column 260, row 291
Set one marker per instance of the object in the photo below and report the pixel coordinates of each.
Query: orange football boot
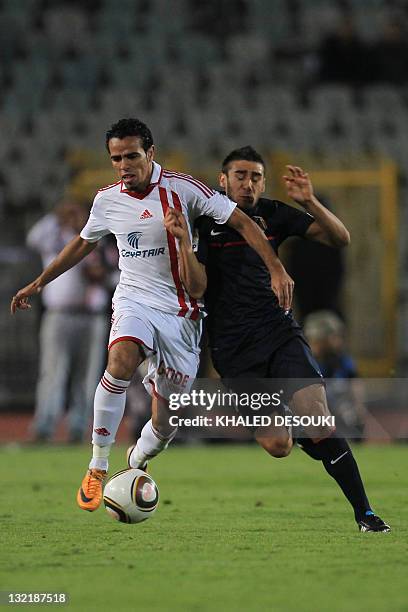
column 90, row 492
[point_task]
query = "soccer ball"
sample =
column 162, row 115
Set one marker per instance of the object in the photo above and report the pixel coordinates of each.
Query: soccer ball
column 131, row 496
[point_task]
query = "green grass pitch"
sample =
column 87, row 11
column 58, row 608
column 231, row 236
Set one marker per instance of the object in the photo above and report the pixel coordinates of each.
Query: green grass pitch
column 235, row 530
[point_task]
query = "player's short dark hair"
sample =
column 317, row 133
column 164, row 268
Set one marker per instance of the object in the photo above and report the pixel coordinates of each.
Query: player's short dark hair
column 247, row 153
column 130, row 127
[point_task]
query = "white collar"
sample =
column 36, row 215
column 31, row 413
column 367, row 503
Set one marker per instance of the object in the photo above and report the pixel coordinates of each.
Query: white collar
column 155, row 174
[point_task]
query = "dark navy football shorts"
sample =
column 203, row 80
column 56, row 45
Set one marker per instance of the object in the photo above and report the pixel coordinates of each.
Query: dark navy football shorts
column 288, row 369
column 294, row 360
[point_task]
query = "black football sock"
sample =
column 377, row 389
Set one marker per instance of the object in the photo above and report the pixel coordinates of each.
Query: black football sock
column 339, row 462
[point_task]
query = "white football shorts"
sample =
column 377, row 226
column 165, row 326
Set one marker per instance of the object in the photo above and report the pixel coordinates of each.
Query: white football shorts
column 170, row 343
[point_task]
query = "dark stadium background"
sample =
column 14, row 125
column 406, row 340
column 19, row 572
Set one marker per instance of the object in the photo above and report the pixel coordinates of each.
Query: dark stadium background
column 316, row 83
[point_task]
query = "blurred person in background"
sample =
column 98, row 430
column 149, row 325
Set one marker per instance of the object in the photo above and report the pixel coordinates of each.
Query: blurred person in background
column 326, row 334
column 73, row 327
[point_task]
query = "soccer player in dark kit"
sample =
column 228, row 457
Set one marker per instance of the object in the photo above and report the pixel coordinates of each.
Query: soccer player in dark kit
column 250, row 335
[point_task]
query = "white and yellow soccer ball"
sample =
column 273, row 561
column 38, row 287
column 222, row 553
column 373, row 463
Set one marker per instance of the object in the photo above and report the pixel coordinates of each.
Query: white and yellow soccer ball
column 131, row 496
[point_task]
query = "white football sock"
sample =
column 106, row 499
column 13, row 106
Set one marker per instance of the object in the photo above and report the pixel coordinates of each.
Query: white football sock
column 150, row 444
column 100, row 456
column 109, row 406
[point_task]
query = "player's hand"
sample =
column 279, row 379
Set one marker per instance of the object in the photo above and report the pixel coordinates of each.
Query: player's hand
column 175, row 223
column 282, row 286
column 20, row 300
column 298, row 185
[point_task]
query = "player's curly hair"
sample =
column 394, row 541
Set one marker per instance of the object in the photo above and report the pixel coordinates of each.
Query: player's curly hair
column 130, row 127
column 247, row 153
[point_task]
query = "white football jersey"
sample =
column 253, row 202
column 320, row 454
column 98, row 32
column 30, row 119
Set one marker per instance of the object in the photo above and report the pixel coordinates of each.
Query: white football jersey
column 148, row 258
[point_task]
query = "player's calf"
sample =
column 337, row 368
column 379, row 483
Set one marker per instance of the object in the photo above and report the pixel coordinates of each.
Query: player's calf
column 311, row 402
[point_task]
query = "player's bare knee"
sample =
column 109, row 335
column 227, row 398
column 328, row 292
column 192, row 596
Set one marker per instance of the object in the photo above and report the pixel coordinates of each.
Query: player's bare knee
column 119, row 367
column 123, row 360
column 277, row 447
column 281, row 452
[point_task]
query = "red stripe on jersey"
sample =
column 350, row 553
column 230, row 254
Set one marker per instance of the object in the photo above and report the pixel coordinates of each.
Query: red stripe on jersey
column 109, row 186
column 189, row 179
column 196, row 310
column 173, row 258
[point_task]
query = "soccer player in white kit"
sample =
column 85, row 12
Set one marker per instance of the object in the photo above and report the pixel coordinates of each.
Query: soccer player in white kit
column 156, row 307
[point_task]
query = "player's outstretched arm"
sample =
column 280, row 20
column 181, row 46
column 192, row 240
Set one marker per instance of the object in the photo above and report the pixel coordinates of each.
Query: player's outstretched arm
column 192, row 272
column 327, row 228
column 281, row 283
column 71, row 254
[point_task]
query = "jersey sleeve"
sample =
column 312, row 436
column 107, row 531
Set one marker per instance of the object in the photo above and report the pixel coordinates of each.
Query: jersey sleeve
column 296, row 222
column 95, row 228
column 218, row 207
column 203, row 200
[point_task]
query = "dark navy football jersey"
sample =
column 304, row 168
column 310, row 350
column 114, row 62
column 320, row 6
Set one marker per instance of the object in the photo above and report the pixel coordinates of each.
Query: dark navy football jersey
column 245, row 321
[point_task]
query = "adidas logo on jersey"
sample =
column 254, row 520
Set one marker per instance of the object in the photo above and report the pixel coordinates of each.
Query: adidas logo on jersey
column 146, row 214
